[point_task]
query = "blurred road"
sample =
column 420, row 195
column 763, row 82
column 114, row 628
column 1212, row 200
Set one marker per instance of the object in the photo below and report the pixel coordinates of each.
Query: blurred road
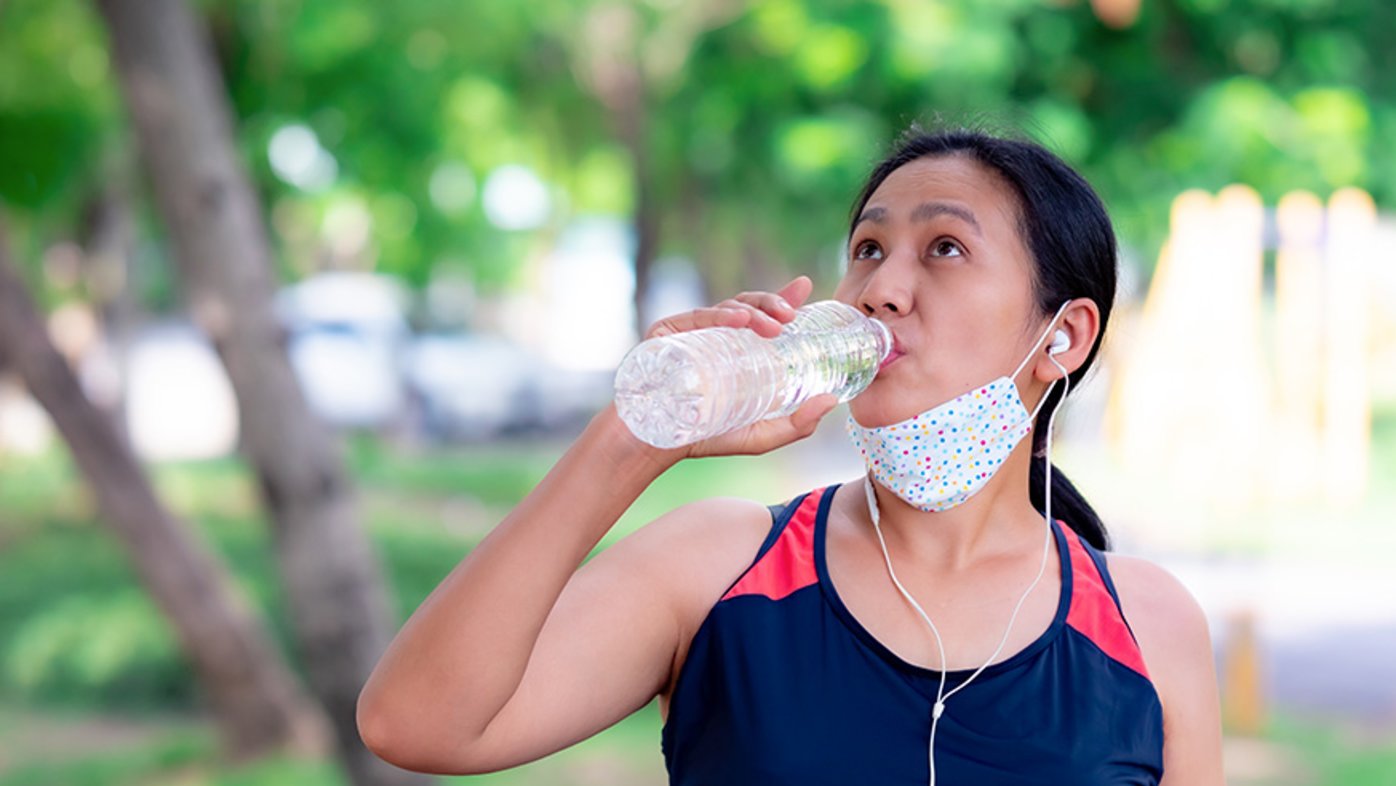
column 1327, row 630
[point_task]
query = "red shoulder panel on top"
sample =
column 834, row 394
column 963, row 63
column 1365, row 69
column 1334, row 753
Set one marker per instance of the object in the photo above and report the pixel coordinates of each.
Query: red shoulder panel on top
column 1093, row 611
column 789, row 564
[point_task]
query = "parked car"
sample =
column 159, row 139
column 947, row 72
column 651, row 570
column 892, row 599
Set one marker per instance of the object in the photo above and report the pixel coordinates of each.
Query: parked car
column 471, row 386
column 346, row 335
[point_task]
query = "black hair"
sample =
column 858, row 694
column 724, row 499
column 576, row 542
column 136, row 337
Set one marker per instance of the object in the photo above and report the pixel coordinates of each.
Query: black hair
column 1072, row 243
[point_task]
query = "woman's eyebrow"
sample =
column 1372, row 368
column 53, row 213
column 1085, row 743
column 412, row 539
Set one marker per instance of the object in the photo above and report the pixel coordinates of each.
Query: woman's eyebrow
column 877, row 215
column 924, row 212
column 929, row 210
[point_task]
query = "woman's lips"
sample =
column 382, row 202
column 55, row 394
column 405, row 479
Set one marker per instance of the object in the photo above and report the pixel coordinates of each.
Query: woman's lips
column 891, row 358
column 896, row 352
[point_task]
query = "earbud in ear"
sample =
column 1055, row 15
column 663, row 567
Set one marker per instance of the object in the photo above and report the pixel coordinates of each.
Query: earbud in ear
column 1061, row 342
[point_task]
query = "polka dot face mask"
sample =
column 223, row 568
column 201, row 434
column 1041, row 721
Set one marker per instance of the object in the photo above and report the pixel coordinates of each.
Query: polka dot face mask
column 940, row 458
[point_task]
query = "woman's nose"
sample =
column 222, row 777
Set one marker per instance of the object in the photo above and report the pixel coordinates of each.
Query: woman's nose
column 886, row 292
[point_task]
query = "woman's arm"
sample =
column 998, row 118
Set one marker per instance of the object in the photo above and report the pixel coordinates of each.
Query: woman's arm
column 518, row 653
column 1177, row 648
column 462, row 654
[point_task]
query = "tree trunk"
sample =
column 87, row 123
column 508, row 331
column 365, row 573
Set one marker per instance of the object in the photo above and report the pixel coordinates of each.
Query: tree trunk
column 646, row 222
column 621, row 63
column 256, row 700
column 183, row 123
column 609, row 59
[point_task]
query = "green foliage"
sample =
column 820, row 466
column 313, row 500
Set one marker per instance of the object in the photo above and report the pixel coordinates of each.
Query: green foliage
column 75, row 628
column 56, row 102
column 759, row 122
column 85, row 646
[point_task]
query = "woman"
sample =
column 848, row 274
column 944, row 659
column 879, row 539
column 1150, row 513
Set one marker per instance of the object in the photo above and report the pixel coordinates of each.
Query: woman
column 906, row 627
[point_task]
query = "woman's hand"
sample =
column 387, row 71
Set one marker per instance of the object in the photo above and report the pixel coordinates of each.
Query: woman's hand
column 765, row 313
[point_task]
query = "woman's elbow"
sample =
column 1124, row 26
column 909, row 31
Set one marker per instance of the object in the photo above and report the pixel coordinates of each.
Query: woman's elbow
column 380, row 733
column 392, row 736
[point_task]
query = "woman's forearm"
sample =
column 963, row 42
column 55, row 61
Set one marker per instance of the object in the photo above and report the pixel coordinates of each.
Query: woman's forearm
column 462, row 654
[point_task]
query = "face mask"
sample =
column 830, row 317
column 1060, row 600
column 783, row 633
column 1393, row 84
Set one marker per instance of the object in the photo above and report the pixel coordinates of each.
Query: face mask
column 940, row 458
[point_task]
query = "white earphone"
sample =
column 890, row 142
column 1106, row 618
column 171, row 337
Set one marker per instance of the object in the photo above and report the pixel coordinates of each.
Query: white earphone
column 1061, row 342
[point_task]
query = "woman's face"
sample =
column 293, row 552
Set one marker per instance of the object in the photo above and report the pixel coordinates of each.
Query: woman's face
column 937, row 256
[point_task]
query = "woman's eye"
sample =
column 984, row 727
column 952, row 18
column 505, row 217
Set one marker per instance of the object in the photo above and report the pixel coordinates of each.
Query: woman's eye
column 867, row 250
column 946, row 248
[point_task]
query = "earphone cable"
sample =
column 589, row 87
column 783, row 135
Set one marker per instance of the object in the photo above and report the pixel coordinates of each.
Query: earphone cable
column 941, row 695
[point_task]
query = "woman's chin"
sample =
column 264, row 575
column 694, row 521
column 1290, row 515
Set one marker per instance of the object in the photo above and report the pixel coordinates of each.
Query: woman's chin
column 874, row 414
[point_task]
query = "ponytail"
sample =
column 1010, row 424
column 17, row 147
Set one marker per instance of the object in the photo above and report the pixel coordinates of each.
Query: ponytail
column 1067, row 503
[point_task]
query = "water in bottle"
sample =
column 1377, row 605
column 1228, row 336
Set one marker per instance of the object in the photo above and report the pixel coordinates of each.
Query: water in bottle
column 679, row 389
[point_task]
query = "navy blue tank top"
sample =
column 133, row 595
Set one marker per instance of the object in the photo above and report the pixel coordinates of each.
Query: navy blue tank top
column 782, row 686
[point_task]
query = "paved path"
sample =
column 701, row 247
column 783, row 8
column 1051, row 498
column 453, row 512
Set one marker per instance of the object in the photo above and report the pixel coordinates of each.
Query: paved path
column 1327, row 630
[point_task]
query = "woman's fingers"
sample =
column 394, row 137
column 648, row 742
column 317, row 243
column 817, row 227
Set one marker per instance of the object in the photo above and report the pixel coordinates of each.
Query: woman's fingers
column 763, row 312
column 774, row 308
column 767, row 435
column 769, row 302
column 796, row 291
column 699, row 318
column 805, row 419
column 761, row 320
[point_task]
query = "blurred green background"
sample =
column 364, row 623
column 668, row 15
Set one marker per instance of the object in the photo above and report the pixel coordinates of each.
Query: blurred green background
column 539, row 180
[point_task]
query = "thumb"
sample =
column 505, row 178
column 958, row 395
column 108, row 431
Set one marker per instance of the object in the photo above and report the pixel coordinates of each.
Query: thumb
column 807, row 417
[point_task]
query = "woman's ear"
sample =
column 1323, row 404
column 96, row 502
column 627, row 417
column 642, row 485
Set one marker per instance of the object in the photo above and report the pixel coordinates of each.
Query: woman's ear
column 1078, row 326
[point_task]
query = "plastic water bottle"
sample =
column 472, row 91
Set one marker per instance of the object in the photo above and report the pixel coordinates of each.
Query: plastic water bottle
column 679, row 389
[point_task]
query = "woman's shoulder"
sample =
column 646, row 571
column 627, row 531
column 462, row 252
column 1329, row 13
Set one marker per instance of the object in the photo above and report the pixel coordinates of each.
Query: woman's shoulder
column 1167, row 621
column 1152, row 597
column 1176, row 644
column 702, row 546
column 709, row 522
column 698, row 549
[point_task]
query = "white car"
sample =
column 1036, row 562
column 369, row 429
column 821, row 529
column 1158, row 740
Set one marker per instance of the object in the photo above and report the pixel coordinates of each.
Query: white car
column 477, row 386
column 471, row 386
column 346, row 335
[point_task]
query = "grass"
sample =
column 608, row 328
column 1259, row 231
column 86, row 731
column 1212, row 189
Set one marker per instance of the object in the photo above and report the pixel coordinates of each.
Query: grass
column 183, row 751
column 1336, row 755
column 627, row 754
column 159, row 759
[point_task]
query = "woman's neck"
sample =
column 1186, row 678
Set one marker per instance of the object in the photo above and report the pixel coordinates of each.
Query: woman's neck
column 998, row 521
